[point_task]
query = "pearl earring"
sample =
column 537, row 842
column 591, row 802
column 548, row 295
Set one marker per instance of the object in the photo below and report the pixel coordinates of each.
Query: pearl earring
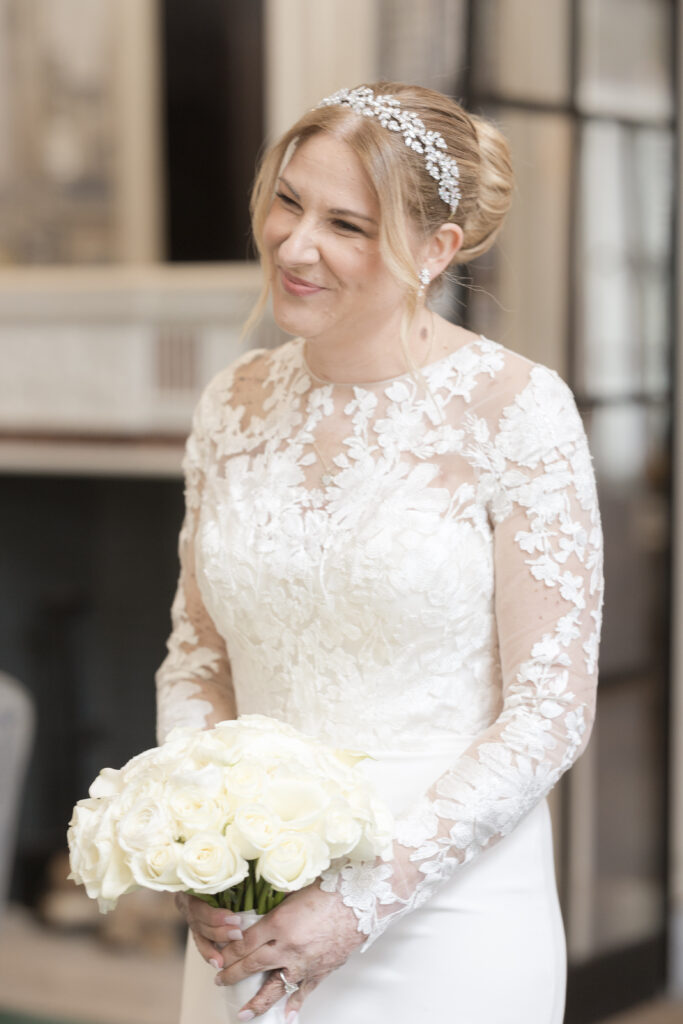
column 425, row 281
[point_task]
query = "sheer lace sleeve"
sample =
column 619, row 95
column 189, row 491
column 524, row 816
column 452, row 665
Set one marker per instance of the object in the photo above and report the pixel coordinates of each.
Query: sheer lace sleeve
column 535, row 479
column 194, row 685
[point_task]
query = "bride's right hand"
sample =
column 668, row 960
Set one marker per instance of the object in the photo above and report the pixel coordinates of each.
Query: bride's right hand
column 211, row 928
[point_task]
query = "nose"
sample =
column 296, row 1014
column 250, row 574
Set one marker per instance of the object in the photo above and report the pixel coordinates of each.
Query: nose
column 299, row 245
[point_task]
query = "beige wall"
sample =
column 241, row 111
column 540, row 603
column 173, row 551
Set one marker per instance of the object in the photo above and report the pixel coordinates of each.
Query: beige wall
column 314, row 48
column 139, row 120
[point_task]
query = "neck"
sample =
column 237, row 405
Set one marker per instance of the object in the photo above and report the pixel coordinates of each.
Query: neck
column 372, row 355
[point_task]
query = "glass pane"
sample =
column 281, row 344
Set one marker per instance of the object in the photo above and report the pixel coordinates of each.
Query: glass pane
column 616, row 812
column 631, row 772
column 625, row 57
column 630, row 449
column 521, row 50
column 423, row 43
column 617, row 807
column 519, row 296
column 624, row 257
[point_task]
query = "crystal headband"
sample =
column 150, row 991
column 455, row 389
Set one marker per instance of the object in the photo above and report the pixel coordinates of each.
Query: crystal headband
column 430, row 145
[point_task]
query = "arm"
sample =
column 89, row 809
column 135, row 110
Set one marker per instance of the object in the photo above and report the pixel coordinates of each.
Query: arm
column 194, row 685
column 536, row 479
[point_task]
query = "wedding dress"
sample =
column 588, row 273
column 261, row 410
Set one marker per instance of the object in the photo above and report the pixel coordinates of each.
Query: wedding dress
column 411, row 568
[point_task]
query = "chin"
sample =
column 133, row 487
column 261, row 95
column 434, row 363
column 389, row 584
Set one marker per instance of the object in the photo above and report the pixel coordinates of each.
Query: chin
column 293, row 320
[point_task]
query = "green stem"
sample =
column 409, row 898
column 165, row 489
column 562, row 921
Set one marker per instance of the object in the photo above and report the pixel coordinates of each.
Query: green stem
column 262, row 905
column 207, row 897
column 250, row 888
column 249, row 894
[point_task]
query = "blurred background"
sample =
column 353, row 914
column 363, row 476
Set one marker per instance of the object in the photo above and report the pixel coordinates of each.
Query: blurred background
column 129, row 130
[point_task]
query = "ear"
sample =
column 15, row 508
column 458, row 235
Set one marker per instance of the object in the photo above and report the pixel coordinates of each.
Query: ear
column 440, row 248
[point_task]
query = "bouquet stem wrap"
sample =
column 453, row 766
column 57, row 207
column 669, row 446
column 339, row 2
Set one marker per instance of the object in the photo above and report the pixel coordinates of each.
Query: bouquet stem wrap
column 220, row 1005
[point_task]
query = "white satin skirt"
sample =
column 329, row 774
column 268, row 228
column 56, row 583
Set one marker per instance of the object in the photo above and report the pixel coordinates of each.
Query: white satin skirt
column 488, row 948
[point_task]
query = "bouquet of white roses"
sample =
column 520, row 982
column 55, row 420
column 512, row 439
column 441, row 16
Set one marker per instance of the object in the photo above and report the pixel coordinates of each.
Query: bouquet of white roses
column 240, row 815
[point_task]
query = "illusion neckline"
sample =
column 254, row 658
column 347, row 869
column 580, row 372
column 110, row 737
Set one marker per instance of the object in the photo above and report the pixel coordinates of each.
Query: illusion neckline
column 367, row 384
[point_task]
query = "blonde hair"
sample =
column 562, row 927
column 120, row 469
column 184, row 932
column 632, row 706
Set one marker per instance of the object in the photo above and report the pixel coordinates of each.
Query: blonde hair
column 406, row 192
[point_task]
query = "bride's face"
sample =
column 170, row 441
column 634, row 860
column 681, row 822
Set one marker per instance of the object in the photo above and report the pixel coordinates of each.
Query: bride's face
column 322, row 237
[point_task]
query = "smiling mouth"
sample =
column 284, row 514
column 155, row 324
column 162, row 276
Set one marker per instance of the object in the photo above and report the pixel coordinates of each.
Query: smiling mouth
column 297, row 285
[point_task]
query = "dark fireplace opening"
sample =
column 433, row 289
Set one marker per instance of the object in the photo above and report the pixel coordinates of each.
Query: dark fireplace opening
column 88, row 568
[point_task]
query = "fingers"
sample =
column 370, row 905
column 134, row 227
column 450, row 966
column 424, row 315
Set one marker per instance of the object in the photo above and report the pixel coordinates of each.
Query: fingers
column 218, row 926
column 208, row 951
column 261, row 935
column 270, row 993
column 296, row 1001
column 262, row 959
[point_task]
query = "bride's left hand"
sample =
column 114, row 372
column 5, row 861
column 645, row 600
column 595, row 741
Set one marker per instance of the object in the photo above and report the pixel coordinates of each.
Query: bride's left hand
column 306, row 937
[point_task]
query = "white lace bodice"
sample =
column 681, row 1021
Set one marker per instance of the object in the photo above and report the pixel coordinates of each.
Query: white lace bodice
column 396, row 567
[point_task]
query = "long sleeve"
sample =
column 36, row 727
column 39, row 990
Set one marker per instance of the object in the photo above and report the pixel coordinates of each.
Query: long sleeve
column 194, row 685
column 536, row 482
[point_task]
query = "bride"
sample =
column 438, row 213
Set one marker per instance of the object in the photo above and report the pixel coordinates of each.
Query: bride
column 392, row 542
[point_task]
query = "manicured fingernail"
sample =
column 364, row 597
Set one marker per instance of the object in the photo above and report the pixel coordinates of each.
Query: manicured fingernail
column 216, row 966
column 292, row 1017
column 246, row 1015
column 217, row 980
column 235, row 935
column 233, row 919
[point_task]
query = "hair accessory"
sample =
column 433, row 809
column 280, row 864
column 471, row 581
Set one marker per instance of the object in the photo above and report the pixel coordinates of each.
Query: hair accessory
column 431, row 145
column 425, row 279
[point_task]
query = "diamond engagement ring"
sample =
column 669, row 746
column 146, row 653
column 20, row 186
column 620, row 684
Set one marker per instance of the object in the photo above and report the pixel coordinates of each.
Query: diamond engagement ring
column 289, row 987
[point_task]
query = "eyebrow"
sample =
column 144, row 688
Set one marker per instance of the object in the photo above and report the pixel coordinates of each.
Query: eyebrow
column 336, row 211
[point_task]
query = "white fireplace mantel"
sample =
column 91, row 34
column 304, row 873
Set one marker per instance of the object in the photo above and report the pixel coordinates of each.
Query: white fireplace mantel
column 100, row 368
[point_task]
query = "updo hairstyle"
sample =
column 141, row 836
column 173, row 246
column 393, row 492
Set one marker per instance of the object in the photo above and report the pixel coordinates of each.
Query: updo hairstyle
column 406, row 192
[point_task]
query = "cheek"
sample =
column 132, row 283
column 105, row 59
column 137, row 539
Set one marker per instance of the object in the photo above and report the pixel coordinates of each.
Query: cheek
column 363, row 266
column 374, row 278
column 273, row 230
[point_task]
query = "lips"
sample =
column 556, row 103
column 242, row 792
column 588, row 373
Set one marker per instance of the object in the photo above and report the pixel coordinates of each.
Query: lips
column 297, row 285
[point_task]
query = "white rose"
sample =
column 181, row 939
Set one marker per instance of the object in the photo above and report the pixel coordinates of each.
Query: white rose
column 211, row 777
column 210, row 863
column 147, row 823
column 157, row 867
column 360, row 800
column 136, row 791
column 228, row 737
column 100, row 864
column 342, row 831
column 107, row 783
column 254, row 830
column 157, row 763
column 245, row 782
column 377, row 839
column 376, row 821
column 117, row 879
column 85, row 821
column 299, row 803
column 381, row 829
column 296, row 860
column 212, row 747
column 270, row 741
column 195, row 810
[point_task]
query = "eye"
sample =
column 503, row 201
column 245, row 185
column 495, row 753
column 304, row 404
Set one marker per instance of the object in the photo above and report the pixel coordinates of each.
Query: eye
column 287, row 200
column 345, row 225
